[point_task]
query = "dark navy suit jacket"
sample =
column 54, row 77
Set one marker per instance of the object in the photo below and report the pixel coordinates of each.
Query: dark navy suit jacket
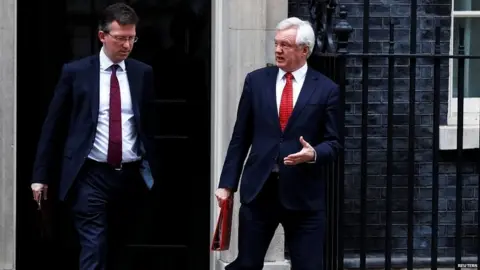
column 69, row 129
column 257, row 127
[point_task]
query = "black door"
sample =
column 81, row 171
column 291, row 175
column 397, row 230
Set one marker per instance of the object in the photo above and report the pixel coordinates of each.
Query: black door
column 174, row 37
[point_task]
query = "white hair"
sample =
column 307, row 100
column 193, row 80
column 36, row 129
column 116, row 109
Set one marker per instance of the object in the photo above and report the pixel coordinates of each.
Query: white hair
column 305, row 34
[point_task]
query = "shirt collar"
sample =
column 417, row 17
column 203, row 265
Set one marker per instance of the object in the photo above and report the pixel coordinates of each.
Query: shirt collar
column 297, row 74
column 106, row 63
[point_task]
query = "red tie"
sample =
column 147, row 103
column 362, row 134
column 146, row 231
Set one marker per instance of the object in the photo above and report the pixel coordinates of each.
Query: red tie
column 115, row 122
column 286, row 104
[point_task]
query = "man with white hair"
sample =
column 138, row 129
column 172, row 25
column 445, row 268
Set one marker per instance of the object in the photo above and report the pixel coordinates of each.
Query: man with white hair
column 287, row 117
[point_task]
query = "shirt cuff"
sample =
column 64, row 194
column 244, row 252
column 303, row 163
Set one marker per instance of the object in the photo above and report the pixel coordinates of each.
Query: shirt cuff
column 314, row 157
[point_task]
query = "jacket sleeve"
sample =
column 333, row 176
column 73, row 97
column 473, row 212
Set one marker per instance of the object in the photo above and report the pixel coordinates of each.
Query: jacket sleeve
column 54, row 130
column 240, row 141
column 327, row 150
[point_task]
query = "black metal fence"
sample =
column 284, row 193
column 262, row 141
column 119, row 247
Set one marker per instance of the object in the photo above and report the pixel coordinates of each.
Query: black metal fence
column 332, row 61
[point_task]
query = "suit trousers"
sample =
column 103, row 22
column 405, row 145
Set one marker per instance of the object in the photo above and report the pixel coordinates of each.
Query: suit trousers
column 258, row 221
column 101, row 200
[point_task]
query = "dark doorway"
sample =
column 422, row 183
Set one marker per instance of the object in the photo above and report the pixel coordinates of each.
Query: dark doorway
column 174, row 37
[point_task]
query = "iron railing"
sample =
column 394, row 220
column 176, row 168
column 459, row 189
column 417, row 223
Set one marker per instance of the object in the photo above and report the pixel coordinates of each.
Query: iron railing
column 332, row 58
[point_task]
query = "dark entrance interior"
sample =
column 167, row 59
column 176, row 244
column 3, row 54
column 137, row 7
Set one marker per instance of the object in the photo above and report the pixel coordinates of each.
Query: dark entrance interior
column 174, row 37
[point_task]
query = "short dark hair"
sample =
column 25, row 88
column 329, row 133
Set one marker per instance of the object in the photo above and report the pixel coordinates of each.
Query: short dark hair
column 120, row 12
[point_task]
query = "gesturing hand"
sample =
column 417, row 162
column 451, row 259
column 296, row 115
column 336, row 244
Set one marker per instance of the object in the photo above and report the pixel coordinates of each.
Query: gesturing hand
column 307, row 154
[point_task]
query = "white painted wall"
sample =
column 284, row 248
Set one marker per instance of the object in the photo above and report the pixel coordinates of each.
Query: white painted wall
column 8, row 18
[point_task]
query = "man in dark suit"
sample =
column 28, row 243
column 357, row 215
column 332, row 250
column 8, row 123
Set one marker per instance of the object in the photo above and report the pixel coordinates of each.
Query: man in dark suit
column 98, row 121
column 287, row 117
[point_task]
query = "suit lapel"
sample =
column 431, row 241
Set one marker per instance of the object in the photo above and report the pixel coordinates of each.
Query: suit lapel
column 94, row 81
column 271, row 97
column 134, row 81
column 305, row 93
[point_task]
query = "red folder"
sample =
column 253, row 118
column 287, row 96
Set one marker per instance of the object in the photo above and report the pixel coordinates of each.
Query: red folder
column 223, row 230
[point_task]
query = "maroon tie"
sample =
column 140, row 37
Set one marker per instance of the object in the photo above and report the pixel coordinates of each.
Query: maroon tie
column 115, row 122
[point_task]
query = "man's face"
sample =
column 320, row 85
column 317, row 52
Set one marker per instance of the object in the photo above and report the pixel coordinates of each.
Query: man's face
column 288, row 55
column 118, row 41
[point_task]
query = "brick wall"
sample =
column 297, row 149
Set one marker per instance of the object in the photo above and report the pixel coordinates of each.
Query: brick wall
column 429, row 13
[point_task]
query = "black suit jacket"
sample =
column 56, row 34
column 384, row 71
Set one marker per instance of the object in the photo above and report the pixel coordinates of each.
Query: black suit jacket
column 257, row 128
column 69, row 129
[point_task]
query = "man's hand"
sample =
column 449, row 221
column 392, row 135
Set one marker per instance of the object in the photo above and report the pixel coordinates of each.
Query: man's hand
column 39, row 192
column 307, row 154
column 222, row 194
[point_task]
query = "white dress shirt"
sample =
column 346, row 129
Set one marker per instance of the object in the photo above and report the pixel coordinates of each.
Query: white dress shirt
column 129, row 134
column 298, row 79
